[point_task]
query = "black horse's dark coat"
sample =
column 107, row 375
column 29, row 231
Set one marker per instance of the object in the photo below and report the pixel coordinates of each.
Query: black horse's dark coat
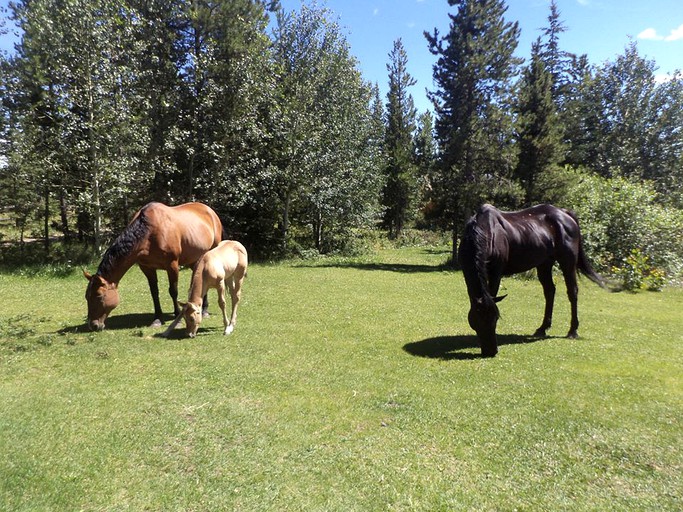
column 497, row 244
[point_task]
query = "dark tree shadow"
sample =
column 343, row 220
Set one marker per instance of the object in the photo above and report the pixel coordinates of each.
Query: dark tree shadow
column 403, row 268
column 447, row 348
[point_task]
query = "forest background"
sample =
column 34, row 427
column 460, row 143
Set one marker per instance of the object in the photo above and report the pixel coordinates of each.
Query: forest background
column 265, row 116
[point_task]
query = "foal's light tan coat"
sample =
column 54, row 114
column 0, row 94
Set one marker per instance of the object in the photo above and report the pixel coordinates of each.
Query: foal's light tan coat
column 224, row 264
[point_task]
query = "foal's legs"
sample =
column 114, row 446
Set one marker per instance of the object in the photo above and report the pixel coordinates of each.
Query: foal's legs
column 205, row 299
column 151, row 275
column 227, row 329
column 235, row 285
column 545, row 276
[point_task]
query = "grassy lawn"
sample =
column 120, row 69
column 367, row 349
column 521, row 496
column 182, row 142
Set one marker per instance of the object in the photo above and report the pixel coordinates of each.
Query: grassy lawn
column 351, row 385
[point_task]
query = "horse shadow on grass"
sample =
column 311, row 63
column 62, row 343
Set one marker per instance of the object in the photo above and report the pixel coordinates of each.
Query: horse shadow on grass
column 119, row 322
column 448, row 348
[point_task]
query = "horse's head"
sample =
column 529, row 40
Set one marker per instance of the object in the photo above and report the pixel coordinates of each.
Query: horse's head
column 483, row 317
column 193, row 317
column 102, row 297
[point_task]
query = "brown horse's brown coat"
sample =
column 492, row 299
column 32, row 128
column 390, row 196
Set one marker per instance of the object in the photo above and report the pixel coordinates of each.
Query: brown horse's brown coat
column 158, row 237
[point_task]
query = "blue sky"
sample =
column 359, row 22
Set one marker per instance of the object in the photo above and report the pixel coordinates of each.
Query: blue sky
column 599, row 28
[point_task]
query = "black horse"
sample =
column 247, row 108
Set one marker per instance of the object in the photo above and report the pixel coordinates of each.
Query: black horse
column 497, row 244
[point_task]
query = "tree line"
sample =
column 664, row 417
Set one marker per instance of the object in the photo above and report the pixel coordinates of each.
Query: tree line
column 264, row 115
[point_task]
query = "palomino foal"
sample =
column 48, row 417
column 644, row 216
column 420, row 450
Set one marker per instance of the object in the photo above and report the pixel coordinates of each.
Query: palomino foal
column 224, row 264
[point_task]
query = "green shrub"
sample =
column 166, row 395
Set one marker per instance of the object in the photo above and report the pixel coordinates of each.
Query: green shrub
column 617, row 215
column 637, row 273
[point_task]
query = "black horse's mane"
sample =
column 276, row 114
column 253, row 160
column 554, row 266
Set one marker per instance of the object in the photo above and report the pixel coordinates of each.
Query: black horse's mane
column 474, row 254
column 125, row 243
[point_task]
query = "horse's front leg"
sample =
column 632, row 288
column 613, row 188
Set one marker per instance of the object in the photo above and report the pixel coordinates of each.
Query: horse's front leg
column 205, row 299
column 545, row 276
column 205, row 306
column 151, row 275
column 173, row 271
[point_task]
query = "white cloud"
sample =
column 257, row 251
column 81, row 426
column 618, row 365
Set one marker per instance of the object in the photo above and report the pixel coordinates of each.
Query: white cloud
column 675, row 35
column 584, row 2
column 375, row 12
column 651, row 34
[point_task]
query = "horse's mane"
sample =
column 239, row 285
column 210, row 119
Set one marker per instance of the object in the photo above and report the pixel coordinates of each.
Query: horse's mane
column 474, row 254
column 125, row 243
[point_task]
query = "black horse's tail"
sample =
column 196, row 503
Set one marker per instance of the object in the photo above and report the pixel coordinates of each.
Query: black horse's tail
column 584, row 265
column 586, row 268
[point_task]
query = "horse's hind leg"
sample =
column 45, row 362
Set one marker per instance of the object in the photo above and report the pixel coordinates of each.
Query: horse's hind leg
column 573, row 295
column 151, row 275
column 235, row 285
column 545, row 276
column 227, row 329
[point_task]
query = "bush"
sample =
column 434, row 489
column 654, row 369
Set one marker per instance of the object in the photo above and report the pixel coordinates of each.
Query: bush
column 637, row 273
column 617, row 215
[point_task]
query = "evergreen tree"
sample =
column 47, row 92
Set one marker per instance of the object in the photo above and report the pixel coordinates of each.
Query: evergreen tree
column 400, row 189
column 580, row 116
column 555, row 60
column 425, row 155
column 538, row 132
column 473, row 74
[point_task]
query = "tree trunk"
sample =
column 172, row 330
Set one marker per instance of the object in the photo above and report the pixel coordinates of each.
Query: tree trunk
column 63, row 214
column 92, row 153
column 318, row 231
column 46, row 220
column 285, row 220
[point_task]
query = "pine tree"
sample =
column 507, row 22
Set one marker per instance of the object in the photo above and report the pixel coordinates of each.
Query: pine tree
column 473, row 72
column 425, row 154
column 538, row 132
column 556, row 61
column 400, row 189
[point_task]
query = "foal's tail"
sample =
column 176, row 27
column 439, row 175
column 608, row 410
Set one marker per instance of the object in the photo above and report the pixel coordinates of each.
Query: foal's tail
column 583, row 264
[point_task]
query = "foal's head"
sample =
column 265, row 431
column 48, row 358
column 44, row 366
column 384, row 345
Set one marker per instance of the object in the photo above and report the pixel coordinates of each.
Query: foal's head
column 102, row 297
column 193, row 317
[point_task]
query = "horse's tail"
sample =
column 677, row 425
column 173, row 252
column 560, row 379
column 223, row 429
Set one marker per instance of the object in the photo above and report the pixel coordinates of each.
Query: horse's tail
column 586, row 268
column 584, row 265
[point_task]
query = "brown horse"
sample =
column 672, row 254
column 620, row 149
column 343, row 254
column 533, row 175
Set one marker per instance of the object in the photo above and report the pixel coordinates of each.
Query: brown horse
column 158, row 237
column 497, row 244
column 223, row 265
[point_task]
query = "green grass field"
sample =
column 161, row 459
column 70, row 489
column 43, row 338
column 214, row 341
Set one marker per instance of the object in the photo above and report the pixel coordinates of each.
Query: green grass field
column 350, row 385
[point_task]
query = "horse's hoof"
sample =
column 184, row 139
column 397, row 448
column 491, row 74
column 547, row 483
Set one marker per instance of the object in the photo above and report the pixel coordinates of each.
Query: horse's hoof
column 572, row 335
column 205, row 314
column 540, row 333
column 156, row 323
column 228, row 330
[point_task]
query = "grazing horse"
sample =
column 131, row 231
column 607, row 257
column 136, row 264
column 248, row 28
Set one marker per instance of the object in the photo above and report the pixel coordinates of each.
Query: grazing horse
column 497, row 244
column 158, row 237
column 226, row 263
